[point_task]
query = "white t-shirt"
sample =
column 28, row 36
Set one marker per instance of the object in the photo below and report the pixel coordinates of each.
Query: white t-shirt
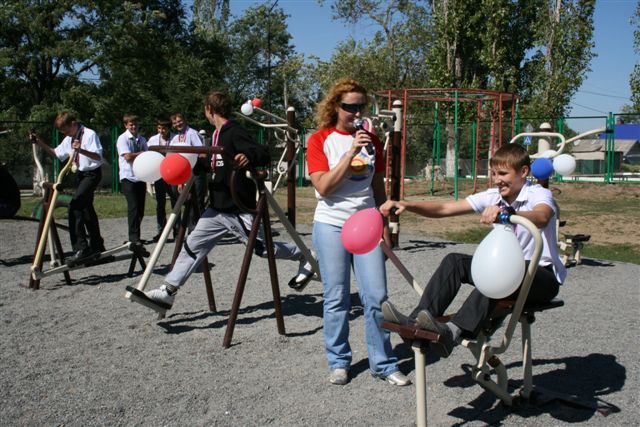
column 530, row 195
column 325, row 150
column 127, row 143
column 89, row 142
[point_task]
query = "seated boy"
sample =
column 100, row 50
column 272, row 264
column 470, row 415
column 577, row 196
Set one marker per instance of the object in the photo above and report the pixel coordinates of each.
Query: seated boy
column 510, row 166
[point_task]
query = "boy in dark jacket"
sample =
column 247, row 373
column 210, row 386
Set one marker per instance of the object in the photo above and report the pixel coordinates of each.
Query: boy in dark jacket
column 223, row 217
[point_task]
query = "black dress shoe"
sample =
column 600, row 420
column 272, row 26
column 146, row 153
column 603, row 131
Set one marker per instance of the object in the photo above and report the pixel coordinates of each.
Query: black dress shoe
column 81, row 256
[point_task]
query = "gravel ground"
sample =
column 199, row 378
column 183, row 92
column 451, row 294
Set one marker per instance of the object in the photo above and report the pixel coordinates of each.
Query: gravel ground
column 83, row 355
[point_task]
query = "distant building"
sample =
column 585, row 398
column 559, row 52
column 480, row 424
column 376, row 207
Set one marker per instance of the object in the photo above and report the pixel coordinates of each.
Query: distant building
column 590, row 153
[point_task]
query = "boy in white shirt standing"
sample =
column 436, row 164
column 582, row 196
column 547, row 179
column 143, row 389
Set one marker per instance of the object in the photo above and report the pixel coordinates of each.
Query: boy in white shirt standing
column 130, row 145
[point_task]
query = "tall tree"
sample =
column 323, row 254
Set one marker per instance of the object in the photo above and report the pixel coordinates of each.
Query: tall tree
column 560, row 59
column 634, row 81
column 394, row 56
column 44, row 47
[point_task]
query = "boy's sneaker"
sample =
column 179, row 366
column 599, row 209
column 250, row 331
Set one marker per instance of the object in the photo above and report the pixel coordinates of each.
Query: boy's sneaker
column 304, row 276
column 163, row 296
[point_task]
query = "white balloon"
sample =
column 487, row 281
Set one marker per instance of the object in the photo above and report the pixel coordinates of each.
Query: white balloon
column 146, row 166
column 497, row 267
column 548, row 154
column 564, row 164
column 247, row 109
column 192, row 157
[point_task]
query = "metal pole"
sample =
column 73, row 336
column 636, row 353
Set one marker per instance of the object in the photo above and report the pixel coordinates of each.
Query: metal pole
column 291, row 174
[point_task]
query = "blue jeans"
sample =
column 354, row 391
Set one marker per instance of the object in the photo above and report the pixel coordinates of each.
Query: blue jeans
column 335, row 268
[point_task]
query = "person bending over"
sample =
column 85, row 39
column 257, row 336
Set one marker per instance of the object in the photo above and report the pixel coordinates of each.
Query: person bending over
column 83, row 220
column 223, row 216
column 510, row 166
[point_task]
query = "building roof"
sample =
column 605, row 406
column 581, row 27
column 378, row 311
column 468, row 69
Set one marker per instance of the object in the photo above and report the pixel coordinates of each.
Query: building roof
column 593, row 145
column 625, row 131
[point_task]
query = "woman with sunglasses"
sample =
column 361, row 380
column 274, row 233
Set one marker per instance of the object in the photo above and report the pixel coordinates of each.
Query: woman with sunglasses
column 347, row 178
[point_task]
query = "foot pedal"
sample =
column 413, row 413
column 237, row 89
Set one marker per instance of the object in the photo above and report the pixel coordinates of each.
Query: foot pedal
column 142, row 299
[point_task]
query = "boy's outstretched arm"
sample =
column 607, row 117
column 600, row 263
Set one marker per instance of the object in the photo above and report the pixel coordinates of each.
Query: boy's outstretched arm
column 428, row 209
column 35, row 139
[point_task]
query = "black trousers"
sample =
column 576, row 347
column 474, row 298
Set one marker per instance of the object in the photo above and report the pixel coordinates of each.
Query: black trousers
column 162, row 189
column 135, row 193
column 454, row 270
column 83, row 219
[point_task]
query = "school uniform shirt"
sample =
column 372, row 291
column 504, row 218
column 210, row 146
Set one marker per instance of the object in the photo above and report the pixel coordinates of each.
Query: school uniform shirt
column 530, row 196
column 128, row 143
column 187, row 136
column 89, row 141
column 325, row 150
column 156, row 140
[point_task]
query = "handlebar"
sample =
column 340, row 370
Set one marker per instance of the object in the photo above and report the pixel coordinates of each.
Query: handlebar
column 560, row 136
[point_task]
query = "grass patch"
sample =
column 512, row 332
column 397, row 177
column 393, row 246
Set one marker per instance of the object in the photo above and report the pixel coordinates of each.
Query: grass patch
column 472, row 235
column 107, row 205
column 575, row 206
column 615, row 252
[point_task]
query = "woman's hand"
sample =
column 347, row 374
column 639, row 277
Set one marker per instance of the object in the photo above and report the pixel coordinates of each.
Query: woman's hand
column 362, row 139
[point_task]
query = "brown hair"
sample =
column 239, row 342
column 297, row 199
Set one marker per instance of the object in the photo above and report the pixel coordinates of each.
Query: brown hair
column 219, row 102
column 511, row 155
column 163, row 122
column 130, row 118
column 326, row 115
column 65, row 118
column 176, row 115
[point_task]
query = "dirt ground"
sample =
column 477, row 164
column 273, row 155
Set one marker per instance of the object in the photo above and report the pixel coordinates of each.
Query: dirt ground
column 83, row 355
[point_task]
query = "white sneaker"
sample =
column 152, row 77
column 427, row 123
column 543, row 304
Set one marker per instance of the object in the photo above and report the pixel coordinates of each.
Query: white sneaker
column 339, row 376
column 162, row 297
column 304, row 276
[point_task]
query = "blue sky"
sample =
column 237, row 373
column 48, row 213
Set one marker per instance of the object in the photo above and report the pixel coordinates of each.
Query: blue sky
column 606, row 88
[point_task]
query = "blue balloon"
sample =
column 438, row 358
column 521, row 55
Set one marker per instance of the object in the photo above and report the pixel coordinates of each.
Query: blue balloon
column 542, row 168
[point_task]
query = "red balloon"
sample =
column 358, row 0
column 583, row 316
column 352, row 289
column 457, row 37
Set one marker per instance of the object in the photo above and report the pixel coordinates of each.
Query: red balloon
column 256, row 102
column 175, row 169
column 362, row 232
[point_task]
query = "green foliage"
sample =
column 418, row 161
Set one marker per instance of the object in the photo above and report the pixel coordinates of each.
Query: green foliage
column 560, row 58
column 634, row 81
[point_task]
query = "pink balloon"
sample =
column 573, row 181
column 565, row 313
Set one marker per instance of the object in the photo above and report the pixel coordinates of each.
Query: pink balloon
column 361, row 233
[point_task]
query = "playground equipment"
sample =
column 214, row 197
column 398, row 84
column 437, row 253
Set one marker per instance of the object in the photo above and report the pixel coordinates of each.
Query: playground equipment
column 495, row 114
column 285, row 132
column 47, row 231
column 486, row 348
column 261, row 215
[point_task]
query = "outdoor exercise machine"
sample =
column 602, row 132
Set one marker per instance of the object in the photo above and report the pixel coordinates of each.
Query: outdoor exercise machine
column 261, row 218
column 486, row 349
column 47, row 231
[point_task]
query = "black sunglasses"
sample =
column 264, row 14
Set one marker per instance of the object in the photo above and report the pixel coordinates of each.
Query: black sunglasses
column 353, row 108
